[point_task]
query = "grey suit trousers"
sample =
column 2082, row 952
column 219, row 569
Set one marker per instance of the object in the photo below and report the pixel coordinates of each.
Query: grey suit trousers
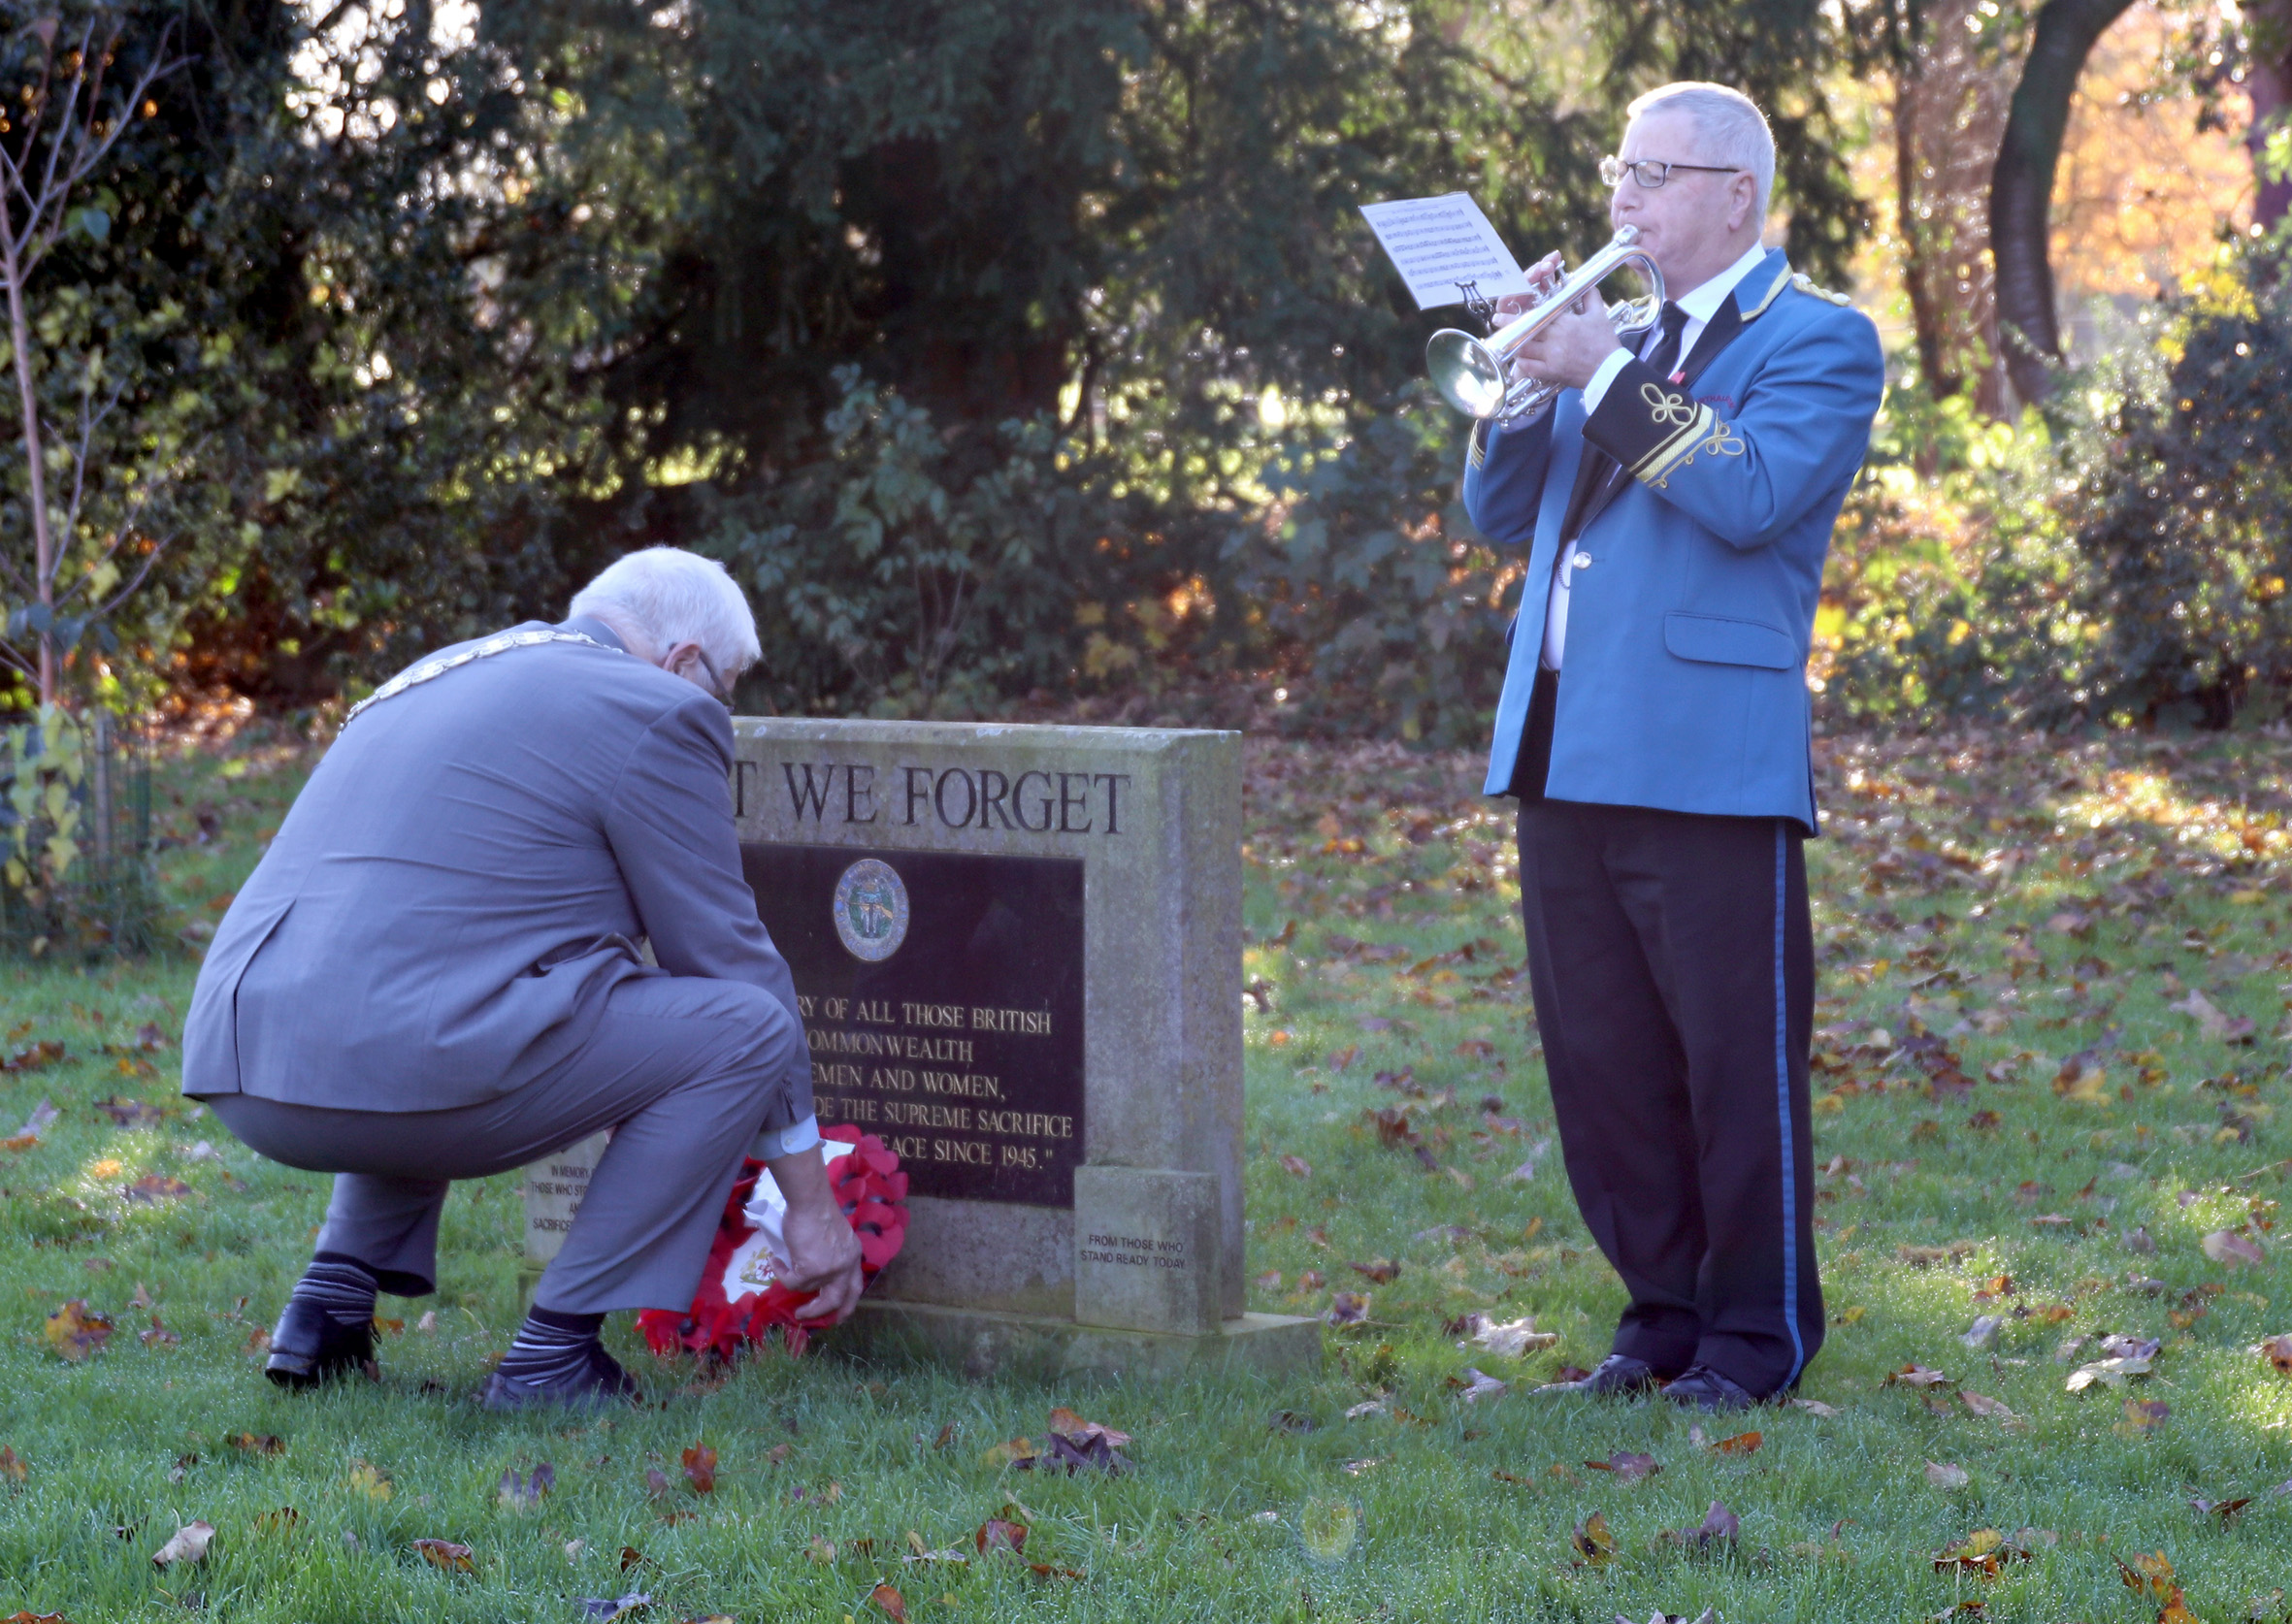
column 686, row 1069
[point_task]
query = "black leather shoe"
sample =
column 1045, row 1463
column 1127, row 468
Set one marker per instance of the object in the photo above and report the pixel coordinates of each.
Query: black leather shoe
column 1618, row 1376
column 599, row 1382
column 1705, row 1389
column 309, row 1347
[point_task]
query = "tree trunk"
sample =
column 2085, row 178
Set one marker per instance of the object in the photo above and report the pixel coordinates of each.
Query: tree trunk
column 2268, row 83
column 28, row 399
column 1943, row 380
column 2021, row 187
column 1950, row 96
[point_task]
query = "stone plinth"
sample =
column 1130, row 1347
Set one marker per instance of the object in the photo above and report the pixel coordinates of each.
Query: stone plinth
column 1018, row 956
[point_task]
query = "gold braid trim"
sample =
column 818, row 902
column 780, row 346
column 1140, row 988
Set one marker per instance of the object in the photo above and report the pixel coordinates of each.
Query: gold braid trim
column 1718, row 438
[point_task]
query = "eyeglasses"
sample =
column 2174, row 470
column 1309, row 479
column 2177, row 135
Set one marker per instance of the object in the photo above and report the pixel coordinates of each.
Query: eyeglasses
column 724, row 695
column 1651, row 173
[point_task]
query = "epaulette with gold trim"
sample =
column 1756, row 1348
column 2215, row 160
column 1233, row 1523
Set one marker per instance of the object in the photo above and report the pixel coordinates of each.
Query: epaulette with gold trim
column 1807, row 284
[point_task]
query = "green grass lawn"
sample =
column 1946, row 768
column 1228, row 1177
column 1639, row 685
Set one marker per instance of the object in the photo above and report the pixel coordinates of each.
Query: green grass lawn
column 2048, row 1066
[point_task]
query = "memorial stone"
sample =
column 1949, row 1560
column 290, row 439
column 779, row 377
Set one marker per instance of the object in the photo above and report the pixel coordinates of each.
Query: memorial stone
column 1017, row 952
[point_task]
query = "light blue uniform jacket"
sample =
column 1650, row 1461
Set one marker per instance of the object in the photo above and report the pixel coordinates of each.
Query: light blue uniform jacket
column 1687, row 631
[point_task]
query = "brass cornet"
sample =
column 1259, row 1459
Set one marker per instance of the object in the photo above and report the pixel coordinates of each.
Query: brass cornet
column 1481, row 377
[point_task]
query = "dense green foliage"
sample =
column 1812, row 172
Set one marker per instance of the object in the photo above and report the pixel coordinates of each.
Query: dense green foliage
column 431, row 325
column 2122, row 561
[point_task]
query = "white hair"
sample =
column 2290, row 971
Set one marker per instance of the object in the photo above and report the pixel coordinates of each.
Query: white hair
column 1728, row 124
column 668, row 596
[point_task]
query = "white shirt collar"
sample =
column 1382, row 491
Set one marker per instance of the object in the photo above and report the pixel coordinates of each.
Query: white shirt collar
column 1702, row 301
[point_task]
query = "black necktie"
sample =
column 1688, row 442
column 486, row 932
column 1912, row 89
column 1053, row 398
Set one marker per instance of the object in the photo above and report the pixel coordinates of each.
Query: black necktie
column 1664, row 357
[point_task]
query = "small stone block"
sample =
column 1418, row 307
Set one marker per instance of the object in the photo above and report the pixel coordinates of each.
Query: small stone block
column 554, row 1188
column 1146, row 1251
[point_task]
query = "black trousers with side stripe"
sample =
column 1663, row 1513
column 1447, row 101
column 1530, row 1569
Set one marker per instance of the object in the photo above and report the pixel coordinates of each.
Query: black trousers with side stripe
column 1672, row 962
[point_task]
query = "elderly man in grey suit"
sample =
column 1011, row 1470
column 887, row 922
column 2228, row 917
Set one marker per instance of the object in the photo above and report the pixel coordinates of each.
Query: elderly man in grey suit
column 434, row 974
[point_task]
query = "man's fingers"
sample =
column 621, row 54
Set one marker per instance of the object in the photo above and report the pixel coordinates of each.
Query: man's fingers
column 834, row 1302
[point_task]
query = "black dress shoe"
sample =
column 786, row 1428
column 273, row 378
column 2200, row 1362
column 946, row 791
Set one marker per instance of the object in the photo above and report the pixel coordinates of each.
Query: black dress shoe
column 599, row 1382
column 1618, row 1376
column 1705, row 1389
column 309, row 1346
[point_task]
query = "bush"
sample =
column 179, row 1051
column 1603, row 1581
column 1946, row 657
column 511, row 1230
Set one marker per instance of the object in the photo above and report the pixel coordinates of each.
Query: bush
column 75, row 830
column 2174, row 488
column 2120, row 559
column 912, row 570
column 1382, row 605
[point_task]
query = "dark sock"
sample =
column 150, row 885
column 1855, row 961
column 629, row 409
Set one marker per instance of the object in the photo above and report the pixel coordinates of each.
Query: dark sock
column 340, row 1286
column 552, row 1345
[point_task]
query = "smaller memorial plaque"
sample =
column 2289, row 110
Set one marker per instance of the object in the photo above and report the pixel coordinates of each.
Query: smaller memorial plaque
column 942, row 997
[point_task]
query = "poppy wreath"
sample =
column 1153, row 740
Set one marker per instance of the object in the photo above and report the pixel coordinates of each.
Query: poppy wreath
column 871, row 1191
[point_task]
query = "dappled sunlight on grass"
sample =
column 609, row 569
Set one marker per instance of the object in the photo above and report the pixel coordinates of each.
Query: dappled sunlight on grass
column 2050, row 1071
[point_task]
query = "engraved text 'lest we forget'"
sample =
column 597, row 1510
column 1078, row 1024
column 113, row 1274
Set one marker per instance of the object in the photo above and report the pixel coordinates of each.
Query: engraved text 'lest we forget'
column 1033, row 801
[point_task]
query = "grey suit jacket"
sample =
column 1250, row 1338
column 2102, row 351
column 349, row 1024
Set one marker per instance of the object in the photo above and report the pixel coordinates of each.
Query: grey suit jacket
column 462, row 881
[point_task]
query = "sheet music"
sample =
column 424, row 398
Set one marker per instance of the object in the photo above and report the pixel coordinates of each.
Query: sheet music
column 1436, row 243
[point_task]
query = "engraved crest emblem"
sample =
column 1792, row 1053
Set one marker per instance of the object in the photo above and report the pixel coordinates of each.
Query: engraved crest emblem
column 870, row 910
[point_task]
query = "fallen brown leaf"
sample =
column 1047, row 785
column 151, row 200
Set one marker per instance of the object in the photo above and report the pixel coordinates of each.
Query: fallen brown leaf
column 1988, row 1409
column 1075, row 1446
column 996, row 1533
column 890, row 1602
column 189, row 1543
column 2151, row 1578
column 1513, row 1340
column 2226, row 1245
column 446, row 1554
column 1984, row 1551
column 699, row 1469
column 1627, row 1468
column 1742, row 1443
column 1594, row 1546
column 523, row 1491
column 1946, row 1475
column 1720, row 1526
column 1915, row 1376
column 2144, row 1415
column 1479, row 1385
column 1017, row 1451
column 75, row 1332
column 257, row 1443
column 1347, row 1307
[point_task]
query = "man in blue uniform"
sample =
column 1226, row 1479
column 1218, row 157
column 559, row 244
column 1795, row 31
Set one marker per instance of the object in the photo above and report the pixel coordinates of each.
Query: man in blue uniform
column 1677, row 501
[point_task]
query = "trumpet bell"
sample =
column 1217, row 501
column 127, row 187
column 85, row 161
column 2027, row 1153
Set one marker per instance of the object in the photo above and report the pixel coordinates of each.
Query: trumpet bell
column 1467, row 372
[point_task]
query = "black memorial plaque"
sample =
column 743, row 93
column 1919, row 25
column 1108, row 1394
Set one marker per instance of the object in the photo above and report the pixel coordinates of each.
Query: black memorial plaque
column 941, row 995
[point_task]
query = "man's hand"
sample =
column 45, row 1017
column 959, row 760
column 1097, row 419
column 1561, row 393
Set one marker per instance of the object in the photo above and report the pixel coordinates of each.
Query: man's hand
column 1542, row 276
column 1569, row 351
column 823, row 1253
